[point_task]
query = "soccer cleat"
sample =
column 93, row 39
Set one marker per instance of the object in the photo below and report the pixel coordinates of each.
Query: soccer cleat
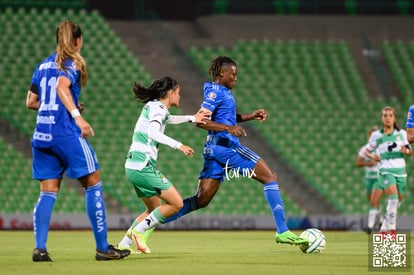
column 40, row 255
column 112, row 254
column 131, row 250
column 124, row 246
column 140, row 243
column 290, row 238
column 368, row 230
column 128, row 247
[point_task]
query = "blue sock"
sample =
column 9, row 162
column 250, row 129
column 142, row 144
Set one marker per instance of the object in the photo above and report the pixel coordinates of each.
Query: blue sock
column 95, row 209
column 190, row 204
column 41, row 218
column 272, row 195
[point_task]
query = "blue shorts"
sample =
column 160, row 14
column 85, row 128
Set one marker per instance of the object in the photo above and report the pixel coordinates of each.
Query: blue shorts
column 222, row 162
column 73, row 155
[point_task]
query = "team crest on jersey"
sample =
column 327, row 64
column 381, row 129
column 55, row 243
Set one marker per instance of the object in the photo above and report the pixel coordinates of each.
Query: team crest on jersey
column 163, row 179
column 212, row 95
column 409, row 115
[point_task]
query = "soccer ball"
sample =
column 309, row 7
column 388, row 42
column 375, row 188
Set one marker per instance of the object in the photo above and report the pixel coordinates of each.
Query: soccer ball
column 317, row 241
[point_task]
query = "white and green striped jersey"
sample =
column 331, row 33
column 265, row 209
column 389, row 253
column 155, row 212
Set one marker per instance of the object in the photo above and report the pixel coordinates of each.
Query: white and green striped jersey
column 371, row 172
column 388, row 147
column 143, row 149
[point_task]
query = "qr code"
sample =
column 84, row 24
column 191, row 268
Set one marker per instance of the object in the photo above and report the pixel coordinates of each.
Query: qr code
column 389, row 251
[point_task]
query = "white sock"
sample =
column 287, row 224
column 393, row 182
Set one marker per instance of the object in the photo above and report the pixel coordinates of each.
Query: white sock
column 149, row 222
column 372, row 214
column 391, row 214
column 126, row 241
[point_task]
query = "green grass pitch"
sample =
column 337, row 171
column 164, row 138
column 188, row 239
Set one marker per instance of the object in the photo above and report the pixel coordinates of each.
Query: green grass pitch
column 188, row 252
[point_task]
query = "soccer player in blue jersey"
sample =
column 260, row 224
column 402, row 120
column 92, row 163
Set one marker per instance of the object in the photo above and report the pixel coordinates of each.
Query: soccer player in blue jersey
column 410, row 124
column 59, row 141
column 224, row 152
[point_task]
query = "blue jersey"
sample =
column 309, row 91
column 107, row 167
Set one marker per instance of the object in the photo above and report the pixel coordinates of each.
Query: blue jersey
column 223, row 151
column 220, row 101
column 410, row 117
column 57, row 145
column 53, row 121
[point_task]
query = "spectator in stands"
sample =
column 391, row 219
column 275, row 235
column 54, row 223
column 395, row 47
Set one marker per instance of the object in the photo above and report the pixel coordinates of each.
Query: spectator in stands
column 223, row 153
column 371, row 177
column 59, row 141
column 391, row 147
column 141, row 164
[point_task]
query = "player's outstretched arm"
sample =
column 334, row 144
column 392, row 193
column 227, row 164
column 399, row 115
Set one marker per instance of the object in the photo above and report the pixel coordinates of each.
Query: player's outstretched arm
column 210, row 125
column 187, row 150
column 259, row 115
column 196, row 118
column 214, row 126
column 155, row 133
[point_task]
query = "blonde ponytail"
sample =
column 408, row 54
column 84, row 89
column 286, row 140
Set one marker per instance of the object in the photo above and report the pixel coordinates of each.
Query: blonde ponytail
column 66, row 35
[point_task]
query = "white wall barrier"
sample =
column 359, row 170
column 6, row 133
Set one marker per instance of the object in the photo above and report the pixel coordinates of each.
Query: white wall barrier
column 196, row 222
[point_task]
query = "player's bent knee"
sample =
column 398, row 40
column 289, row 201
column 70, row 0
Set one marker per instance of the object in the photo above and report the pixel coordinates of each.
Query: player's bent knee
column 177, row 206
column 274, row 176
column 180, row 205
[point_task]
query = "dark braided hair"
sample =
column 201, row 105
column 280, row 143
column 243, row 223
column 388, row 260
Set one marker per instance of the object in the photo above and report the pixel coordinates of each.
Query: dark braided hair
column 217, row 64
column 158, row 89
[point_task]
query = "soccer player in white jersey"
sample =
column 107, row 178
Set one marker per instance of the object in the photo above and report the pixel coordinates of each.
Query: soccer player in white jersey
column 371, row 177
column 59, row 141
column 392, row 146
column 141, row 165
